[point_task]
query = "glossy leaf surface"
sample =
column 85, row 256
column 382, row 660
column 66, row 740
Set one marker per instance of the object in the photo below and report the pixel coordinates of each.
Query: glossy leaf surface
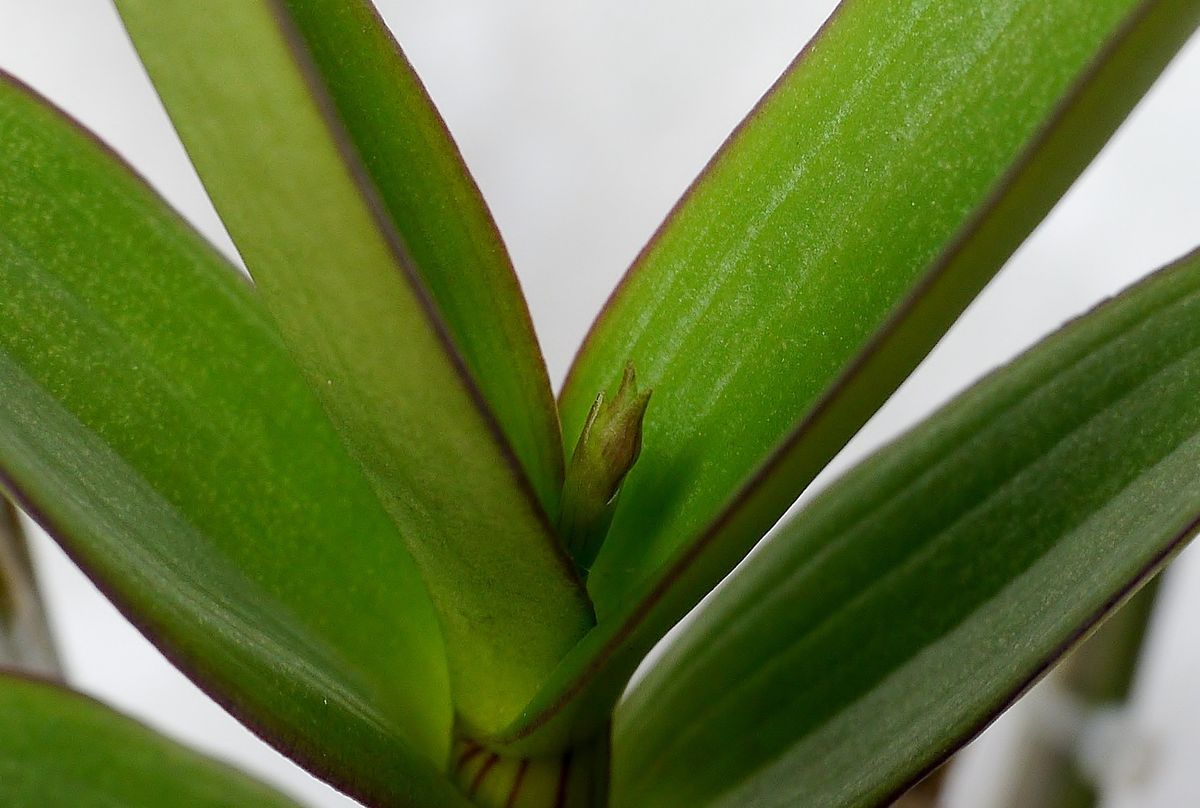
column 25, row 640
column 153, row 422
column 891, row 619
column 60, row 749
column 858, row 210
column 246, row 100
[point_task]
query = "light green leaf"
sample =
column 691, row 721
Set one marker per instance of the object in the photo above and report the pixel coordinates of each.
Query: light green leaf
column 152, row 421
column 438, row 211
column 60, row 749
column 249, row 106
column 25, row 640
column 903, row 609
column 875, row 190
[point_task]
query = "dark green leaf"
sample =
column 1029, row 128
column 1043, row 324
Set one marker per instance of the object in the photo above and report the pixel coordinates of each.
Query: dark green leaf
column 25, row 640
column 154, row 424
column 858, row 210
column 355, row 313
column 895, row 616
column 62, row 750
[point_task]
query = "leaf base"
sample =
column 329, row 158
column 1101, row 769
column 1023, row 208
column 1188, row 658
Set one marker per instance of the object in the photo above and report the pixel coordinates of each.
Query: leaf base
column 578, row 778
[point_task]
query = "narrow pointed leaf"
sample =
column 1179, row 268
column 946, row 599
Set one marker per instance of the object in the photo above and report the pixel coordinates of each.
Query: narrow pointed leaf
column 874, row 191
column 906, row 606
column 60, row 749
column 152, row 421
column 247, row 102
column 438, row 211
column 26, row 643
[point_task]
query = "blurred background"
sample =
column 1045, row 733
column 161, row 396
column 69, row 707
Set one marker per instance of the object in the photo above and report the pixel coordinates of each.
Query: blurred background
column 583, row 121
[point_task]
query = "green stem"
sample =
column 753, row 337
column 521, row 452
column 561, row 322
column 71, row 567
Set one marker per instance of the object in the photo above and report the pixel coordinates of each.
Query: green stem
column 25, row 639
column 1099, row 674
column 578, row 778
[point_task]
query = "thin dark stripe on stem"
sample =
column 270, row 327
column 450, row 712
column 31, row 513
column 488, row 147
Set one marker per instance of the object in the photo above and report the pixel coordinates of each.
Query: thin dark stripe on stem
column 564, row 778
column 482, row 774
column 518, row 781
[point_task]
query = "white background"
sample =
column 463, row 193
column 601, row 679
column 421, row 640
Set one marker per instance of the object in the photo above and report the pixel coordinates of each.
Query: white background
column 583, row 120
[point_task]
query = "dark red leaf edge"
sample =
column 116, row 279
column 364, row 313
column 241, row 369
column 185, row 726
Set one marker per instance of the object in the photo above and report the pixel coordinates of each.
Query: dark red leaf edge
column 293, row 748
column 296, row 42
column 370, row 196
column 1081, row 634
column 19, row 675
column 638, row 613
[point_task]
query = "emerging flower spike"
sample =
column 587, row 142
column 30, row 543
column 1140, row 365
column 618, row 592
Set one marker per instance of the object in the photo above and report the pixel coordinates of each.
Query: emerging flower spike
column 607, row 449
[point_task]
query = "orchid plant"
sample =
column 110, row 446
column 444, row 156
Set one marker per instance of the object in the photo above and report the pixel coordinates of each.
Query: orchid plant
column 343, row 499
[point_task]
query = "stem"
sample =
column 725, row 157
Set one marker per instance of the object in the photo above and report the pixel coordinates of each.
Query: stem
column 578, row 778
column 25, row 639
column 1098, row 674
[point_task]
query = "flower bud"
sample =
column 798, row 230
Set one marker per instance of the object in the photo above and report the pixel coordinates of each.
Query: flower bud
column 608, row 447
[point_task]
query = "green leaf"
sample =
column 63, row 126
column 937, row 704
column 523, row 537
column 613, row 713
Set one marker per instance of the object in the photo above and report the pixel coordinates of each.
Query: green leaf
column 909, row 604
column 60, row 749
column 152, row 421
column 25, row 640
column 851, row 218
column 438, row 211
column 250, row 108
